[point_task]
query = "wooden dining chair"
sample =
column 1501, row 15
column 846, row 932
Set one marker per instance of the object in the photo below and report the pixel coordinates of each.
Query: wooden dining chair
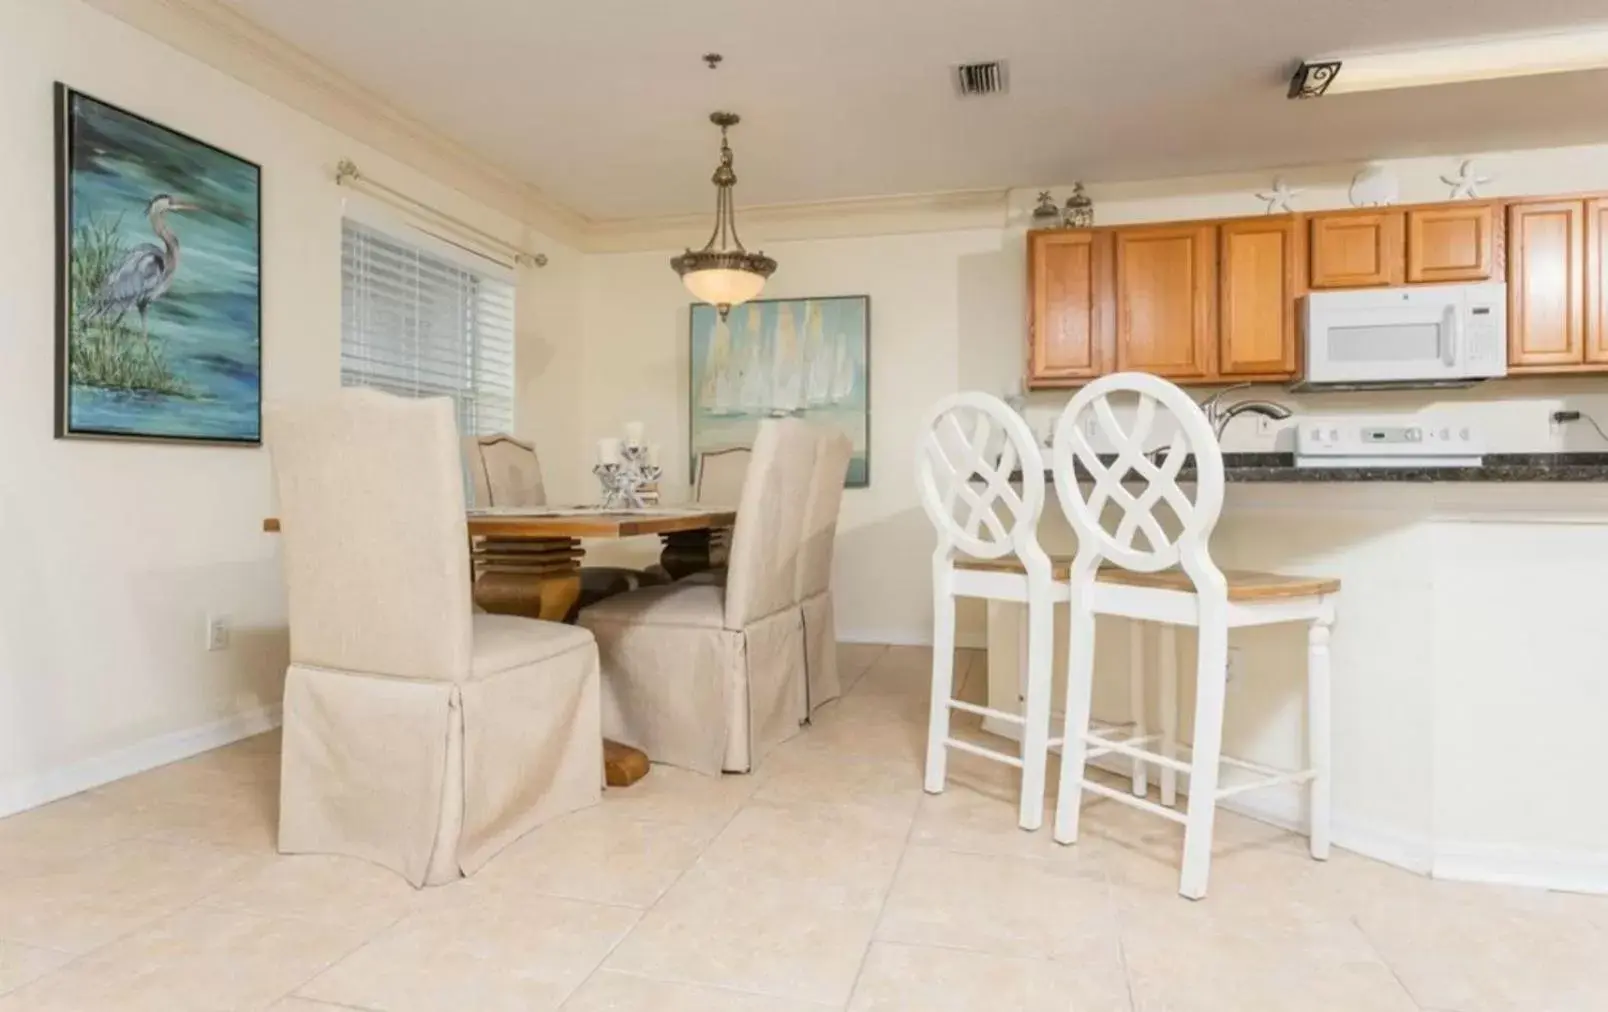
column 417, row 735
column 711, row 675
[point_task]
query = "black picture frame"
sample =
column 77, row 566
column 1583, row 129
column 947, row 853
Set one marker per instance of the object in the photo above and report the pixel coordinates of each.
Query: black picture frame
column 67, row 101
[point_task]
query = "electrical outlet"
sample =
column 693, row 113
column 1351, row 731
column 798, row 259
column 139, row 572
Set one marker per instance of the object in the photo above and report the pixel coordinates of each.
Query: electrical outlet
column 217, row 633
column 1266, row 426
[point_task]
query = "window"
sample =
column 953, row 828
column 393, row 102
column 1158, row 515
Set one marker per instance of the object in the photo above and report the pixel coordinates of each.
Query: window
column 419, row 324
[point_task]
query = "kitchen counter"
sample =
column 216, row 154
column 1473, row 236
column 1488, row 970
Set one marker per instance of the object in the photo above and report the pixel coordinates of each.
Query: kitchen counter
column 1470, row 630
column 1279, row 468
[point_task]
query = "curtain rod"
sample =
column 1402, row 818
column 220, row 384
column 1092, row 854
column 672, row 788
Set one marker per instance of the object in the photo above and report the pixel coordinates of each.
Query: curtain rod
column 347, row 174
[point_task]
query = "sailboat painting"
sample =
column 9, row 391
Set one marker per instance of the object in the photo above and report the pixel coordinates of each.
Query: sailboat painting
column 781, row 358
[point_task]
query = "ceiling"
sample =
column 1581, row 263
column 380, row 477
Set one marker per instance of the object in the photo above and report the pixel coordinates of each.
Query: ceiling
column 603, row 105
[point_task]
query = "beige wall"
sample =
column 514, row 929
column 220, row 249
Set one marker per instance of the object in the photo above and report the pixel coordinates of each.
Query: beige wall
column 113, row 554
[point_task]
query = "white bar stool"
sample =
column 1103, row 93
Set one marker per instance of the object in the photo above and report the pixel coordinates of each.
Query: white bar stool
column 1134, row 727
column 1172, row 580
column 971, row 436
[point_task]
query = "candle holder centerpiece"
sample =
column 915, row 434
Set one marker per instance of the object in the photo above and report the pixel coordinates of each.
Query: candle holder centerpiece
column 628, row 470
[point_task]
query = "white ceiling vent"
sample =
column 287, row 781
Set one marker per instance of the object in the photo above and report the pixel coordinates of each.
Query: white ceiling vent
column 982, row 78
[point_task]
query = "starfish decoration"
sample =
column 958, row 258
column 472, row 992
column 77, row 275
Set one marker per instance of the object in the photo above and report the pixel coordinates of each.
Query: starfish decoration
column 1278, row 199
column 1466, row 184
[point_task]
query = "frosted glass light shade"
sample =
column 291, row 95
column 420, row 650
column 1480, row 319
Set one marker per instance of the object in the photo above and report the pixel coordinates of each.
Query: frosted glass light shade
column 723, row 286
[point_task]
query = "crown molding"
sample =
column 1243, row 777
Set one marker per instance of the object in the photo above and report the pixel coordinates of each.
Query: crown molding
column 828, row 219
column 228, row 41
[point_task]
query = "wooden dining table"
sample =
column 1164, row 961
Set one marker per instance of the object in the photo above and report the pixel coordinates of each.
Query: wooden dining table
column 527, row 561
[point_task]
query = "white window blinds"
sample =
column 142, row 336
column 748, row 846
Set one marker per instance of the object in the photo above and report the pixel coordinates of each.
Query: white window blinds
column 417, row 324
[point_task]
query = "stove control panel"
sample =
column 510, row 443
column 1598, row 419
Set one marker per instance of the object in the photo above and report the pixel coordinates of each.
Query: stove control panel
column 1385, row 441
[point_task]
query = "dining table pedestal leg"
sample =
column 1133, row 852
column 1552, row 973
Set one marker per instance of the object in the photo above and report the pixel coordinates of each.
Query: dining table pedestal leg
column 541, row 578
column 536, row 578
column 688, row 552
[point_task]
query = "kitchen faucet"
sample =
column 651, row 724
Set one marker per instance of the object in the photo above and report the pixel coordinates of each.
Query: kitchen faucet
column 1220, row 415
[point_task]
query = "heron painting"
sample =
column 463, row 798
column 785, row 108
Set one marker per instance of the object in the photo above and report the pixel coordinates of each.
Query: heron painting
column 159, row 320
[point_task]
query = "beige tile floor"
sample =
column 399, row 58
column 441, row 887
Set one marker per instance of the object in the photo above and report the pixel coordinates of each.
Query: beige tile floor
column 826, row 881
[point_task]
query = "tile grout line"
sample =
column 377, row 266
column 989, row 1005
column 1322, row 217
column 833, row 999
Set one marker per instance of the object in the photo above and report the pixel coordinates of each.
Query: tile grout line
column 131, row 931
column 724, row 988
column 882, row 911
column 1356, row 922
column 332, row 964
column 644, row 911
column 1118, row 920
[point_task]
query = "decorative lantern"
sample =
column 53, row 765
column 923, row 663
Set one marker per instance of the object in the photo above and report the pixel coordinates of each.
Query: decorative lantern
column 1079, row 209
column 1046, row 214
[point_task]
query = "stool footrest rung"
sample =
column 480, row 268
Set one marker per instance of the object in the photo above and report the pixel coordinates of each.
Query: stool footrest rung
column 986, row 753
column 1106, row 746
column 1095, row 787
column 1097, row 752
column 1300, row 777
column 984, row 711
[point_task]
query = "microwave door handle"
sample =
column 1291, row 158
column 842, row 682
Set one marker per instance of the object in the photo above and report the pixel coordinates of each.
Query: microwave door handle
column 1454, row 327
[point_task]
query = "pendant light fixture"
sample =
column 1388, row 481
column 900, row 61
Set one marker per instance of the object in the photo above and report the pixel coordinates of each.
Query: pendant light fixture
column 723, row 273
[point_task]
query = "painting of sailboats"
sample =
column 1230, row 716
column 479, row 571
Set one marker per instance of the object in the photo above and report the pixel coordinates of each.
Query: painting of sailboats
column 780, row 358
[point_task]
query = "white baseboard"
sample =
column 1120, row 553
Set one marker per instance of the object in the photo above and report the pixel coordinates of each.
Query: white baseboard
column 1574, row 871
column 22, row 793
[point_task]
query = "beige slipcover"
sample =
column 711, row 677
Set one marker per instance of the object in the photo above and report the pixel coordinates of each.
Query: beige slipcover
column 417, row 735
column 719, row 483
column 720, row 475
column 504, row 471
column 710, row 676
column 832, row 452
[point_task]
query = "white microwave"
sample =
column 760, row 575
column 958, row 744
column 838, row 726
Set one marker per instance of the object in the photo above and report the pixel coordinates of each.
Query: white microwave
column 1425, row 335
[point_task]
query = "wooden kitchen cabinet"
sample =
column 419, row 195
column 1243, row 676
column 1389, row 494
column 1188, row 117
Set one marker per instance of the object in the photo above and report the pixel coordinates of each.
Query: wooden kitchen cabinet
column 1258, row 264
column 1546, row 283
column 1453, row 242
column 1069, row 331
column 1597, row 281
column 1357, row 250
column 1166, row 300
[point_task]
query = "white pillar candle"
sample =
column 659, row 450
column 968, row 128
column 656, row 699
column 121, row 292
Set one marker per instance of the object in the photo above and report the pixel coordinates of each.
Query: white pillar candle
column 608, row 451
column 633, row 434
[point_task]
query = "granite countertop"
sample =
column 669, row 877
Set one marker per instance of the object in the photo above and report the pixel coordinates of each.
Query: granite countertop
column 1498, row 467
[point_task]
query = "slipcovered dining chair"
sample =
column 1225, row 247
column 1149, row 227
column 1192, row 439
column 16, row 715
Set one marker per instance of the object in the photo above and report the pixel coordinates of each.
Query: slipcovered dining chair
column 832, row 452
column 718, row 482
column 506, row 472
column 417, row 735
column 711, row 676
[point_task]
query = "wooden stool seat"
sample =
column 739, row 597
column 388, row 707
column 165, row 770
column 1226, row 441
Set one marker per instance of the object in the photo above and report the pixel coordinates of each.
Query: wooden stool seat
column 1243, row 584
